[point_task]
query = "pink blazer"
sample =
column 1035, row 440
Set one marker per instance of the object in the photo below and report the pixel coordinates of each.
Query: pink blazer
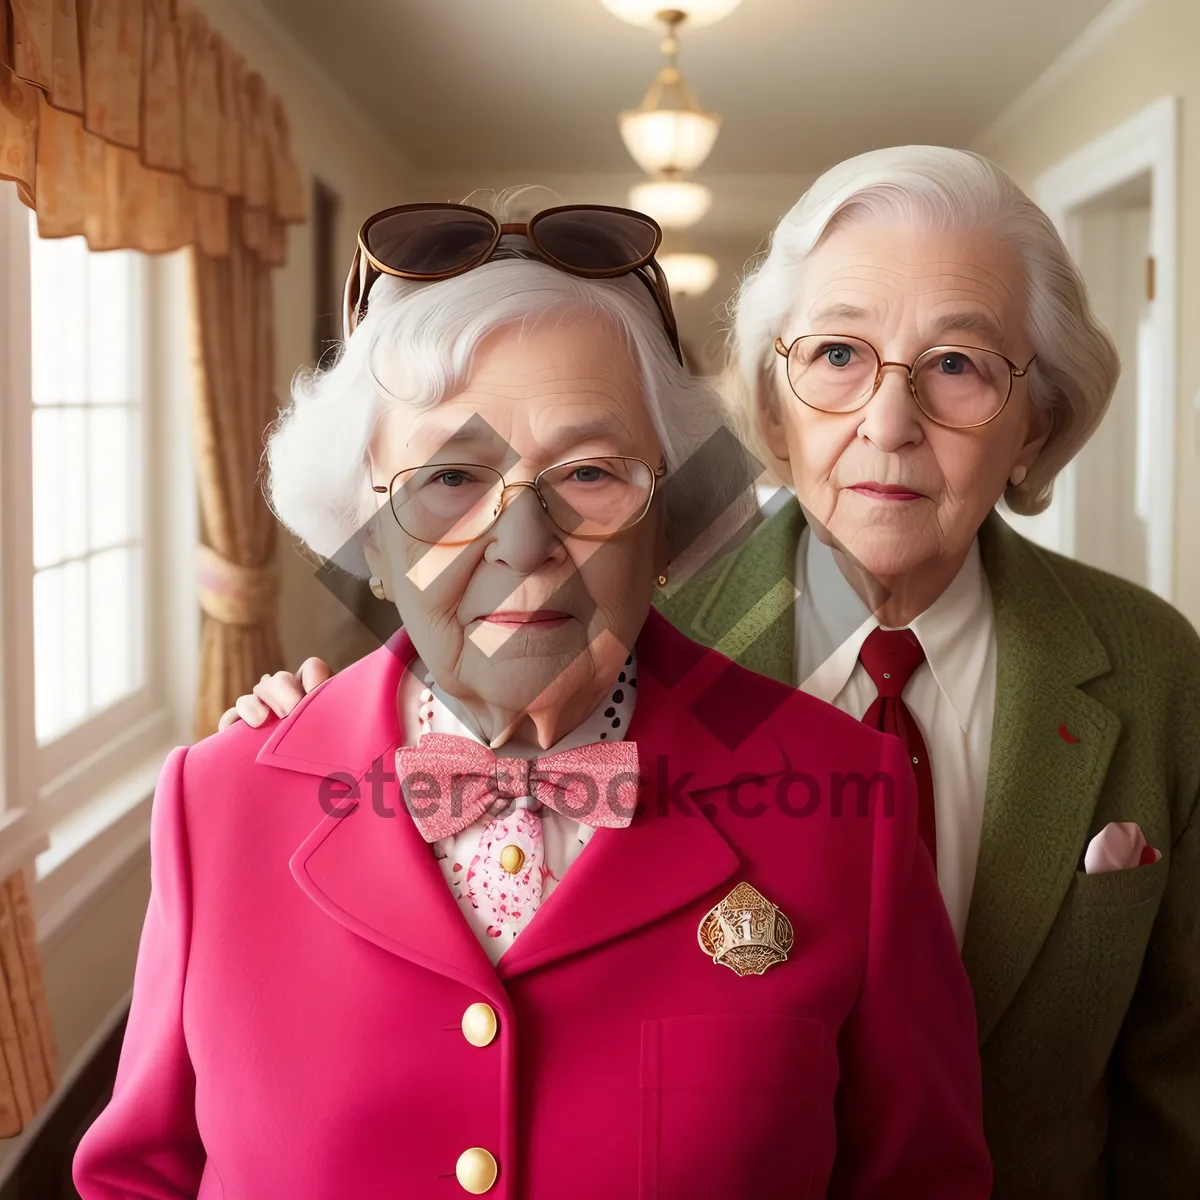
column 296, row 1026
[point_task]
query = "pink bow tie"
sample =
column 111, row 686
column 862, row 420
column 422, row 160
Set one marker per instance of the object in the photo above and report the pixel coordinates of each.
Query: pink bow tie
column 449, row 782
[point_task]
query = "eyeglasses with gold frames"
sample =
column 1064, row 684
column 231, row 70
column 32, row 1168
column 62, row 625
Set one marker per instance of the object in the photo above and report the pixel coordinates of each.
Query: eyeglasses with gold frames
column 959, row 387
column 451, row 504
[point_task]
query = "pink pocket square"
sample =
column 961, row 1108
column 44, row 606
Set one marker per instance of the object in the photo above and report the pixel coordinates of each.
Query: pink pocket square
column 1119, row 846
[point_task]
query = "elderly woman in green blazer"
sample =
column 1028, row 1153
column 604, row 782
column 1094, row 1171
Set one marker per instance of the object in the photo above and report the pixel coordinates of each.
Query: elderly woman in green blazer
column 916, row 344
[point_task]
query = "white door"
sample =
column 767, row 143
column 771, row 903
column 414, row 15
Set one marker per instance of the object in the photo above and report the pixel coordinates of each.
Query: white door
column 1112, row 471
column 1113, row 201
column 1102, row 507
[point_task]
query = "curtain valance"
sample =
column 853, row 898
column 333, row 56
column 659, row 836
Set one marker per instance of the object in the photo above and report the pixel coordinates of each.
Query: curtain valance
column 135, row 124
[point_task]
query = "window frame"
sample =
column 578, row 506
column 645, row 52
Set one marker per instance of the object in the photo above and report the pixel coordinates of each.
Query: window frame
column 62, row 802
column 94, row 739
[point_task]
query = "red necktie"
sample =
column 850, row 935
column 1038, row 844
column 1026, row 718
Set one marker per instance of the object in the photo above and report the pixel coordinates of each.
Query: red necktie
column 890, row 656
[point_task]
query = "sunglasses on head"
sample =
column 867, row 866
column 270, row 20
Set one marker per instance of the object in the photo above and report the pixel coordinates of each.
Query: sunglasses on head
column 431, row 242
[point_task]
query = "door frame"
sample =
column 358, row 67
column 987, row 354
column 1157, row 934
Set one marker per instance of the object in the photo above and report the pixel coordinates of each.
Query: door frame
column 1147, row 142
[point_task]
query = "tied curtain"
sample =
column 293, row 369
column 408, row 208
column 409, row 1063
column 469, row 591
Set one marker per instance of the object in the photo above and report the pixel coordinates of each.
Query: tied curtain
column 233, row 368
column 136, row 125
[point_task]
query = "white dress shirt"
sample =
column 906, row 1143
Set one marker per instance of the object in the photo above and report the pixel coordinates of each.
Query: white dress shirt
column 952, row 694
column 427, row 710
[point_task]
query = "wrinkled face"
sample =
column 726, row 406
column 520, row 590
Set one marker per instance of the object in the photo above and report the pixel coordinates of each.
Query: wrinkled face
column 524, row 618
column 898, row 490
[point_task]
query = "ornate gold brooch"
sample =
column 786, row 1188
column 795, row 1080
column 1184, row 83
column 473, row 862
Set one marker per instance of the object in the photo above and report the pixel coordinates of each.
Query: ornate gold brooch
column 746, row 932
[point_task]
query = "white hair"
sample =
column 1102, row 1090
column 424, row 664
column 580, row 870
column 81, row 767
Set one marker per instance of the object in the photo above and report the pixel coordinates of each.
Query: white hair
column 1076, row 368
column 422, row 338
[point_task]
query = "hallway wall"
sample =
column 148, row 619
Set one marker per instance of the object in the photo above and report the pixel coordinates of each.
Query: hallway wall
column 1155, row 52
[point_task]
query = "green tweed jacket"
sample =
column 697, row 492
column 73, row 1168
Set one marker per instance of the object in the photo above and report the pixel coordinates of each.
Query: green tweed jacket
column 1087, row 987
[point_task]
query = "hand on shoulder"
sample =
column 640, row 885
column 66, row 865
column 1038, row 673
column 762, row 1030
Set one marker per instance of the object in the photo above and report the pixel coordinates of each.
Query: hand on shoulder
column 276, row 694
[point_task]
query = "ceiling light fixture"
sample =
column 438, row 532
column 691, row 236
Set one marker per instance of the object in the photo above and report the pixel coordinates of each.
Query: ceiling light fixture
column 688, row 274
column 647, row 13
column 669, row 133
column 673, row 203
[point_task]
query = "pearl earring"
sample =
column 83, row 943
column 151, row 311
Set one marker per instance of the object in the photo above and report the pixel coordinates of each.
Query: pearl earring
column 377, row 588
column 1018, row 476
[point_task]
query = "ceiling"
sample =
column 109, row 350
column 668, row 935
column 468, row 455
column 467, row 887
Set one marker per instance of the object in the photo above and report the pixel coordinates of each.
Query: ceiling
column 491, row 93
column 535, row 85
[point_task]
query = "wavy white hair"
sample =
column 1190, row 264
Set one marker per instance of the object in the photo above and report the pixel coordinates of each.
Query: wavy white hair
column 421, row 338
column 1076, row 368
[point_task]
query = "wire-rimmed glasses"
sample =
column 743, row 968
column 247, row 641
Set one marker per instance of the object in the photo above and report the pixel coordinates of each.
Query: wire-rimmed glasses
column 960, row 387
column 452, row 503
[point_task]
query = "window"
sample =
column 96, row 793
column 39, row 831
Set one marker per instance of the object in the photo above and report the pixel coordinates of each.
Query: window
column 88, row 342
column 98, row 617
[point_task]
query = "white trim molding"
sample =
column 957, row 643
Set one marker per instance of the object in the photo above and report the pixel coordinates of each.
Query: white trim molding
column 18, row 742
column 1098, row 31
column 93, row 848
column 74, row 813
column 1147, row 143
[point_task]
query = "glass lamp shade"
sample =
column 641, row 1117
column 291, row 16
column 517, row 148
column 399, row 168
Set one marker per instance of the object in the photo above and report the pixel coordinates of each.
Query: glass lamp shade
column 688, row 274
column 669, row 133
column 673, row 203
column 646, row 12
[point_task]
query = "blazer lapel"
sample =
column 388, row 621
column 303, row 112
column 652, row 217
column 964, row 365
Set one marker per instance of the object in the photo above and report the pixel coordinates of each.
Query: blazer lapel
column 624, row 880
column 1051, row 744
column 376, row 876
column 671, row 854
column 368, row 867
column 749, row 615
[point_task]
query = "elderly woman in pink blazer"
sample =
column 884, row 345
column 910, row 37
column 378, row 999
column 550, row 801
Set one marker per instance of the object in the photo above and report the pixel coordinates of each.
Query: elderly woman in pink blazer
column 541, row 899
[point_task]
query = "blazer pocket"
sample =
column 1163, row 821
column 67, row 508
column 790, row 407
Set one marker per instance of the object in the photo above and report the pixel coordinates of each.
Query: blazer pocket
column 1097, row 957
column 728, row 1106
column 1129, row 888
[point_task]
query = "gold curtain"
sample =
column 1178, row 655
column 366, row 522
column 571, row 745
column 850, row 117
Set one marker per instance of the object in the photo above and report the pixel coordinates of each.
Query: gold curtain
column 233, row 362
column 28, row 1060
column 135, row 125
